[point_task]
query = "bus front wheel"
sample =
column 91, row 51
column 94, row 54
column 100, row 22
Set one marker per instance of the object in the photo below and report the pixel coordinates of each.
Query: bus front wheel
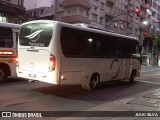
column 3, row 74
column 132, row 76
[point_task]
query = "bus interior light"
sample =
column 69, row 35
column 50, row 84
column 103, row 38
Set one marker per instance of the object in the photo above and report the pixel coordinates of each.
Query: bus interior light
column 90, row 39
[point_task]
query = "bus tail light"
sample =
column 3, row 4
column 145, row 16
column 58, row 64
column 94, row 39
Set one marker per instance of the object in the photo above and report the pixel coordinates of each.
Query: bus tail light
column 62, row 77
column 16, row 60
column 52, row 63
column 5, row 52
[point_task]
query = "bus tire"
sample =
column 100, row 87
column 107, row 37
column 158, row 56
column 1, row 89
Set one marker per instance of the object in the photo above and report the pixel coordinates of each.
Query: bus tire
column 132, row 76
column 94, row 80
column 83, row 86
column 3, row 74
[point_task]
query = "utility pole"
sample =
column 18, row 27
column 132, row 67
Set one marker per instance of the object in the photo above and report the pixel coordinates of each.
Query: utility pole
column 35, row 4
column 157, row 50
column 55, row 9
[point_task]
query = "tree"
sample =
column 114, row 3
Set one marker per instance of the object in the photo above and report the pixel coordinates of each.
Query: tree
column 156, row 44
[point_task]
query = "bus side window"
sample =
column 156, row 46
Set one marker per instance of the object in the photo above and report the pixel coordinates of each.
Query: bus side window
column 137, row 49
column 128, row 49
column 16, row 39
column 6, row 37
column 2, row 43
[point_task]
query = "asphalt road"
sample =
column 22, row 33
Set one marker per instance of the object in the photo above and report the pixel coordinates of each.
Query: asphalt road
column 20, row 95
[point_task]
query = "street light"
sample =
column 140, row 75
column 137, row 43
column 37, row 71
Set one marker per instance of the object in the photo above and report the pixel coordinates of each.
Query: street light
column 145, row 22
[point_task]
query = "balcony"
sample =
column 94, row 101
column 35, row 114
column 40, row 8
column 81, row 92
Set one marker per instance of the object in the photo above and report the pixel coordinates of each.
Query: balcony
column 69, row 3
column 111, row 1
column 143, row 5
column 75, row 19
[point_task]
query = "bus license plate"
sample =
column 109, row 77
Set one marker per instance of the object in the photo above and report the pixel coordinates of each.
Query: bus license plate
column 32, row 75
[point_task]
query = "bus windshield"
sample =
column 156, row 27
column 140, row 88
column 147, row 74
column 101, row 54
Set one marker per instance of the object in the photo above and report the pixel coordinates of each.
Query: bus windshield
column 36, row 34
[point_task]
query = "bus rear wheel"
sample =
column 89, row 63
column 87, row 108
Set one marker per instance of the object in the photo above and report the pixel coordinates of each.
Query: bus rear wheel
column 3, row 74
column 94, row 80
column 132, row 76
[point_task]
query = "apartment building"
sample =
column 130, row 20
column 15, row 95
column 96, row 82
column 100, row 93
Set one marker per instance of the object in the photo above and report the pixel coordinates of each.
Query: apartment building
column 12, row 11
column 115, row 15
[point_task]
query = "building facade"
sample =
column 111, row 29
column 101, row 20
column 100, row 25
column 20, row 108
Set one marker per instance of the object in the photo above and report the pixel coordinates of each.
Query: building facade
column 115, row 15
column 154, row 29
column 46, row 13
column 12, row 11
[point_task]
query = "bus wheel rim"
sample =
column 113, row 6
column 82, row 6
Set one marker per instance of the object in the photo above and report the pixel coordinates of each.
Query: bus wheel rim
column 93, row 83
column 1, row 74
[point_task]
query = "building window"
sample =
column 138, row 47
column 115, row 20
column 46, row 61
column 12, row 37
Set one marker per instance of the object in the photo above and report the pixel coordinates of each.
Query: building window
column 81, row 12
column 153, row 13
column 102, row 5
column 34, row 13
column 74, row 10
column 153, row 31
column 109, row 5
column 94, row 17
column 154, row 5
column 42, row 11
column 158, row 17
column 3, row 18
column 158, row 8
column 101, row 20
column 20, row 2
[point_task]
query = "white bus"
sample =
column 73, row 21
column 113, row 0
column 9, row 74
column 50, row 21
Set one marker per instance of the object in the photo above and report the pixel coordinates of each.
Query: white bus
column 61, row 53
column 8, row 49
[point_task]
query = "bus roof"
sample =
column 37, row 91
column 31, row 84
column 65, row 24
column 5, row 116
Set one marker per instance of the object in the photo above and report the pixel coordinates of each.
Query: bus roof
column 11, row 25
column 83, row 28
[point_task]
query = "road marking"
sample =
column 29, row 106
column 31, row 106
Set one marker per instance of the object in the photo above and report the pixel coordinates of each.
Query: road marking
column 152, row 69
column 148, row 82
column 147, row 70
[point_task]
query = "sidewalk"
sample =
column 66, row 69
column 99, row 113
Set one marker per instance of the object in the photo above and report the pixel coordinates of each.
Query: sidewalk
column 145, row 101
